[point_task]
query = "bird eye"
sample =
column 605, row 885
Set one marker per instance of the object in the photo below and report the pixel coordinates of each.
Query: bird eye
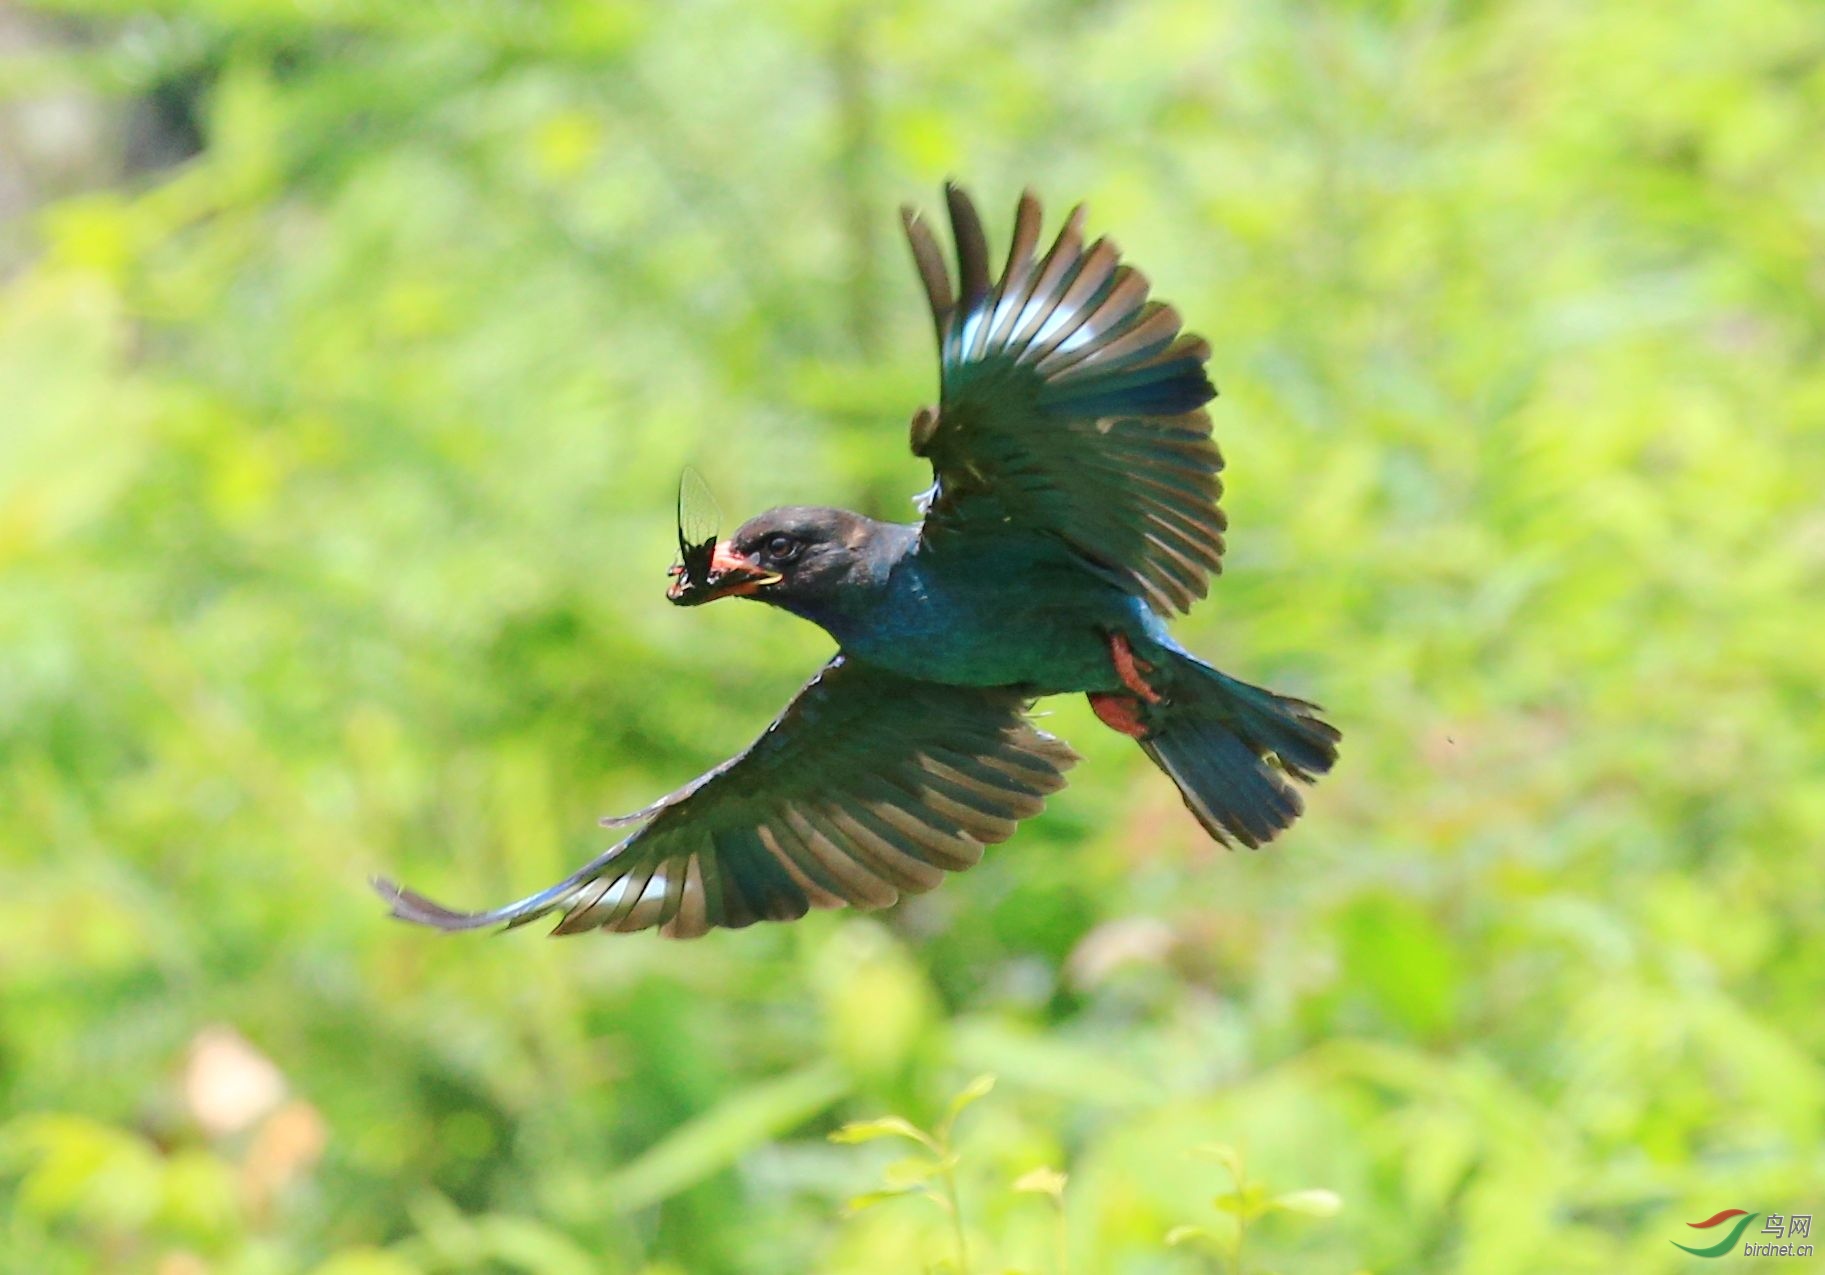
column 782, row 548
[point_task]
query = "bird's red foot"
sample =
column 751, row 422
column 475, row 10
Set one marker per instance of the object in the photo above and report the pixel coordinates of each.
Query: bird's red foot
column 1129, row 669
column 1119, row 712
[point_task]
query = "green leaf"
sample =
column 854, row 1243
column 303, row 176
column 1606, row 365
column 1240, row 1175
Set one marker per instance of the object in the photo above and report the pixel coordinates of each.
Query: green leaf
column 977, row 1088
column 1042, row 1181
column 1225, row 1155
column 1247, row 1204
column 1316, row 1202
column 916, row 1169
column 884, row 1127
column 1185, row 1234
column 868, row 1199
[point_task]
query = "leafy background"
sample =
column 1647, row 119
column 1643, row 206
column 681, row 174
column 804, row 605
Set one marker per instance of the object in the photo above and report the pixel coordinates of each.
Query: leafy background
column 348, row 355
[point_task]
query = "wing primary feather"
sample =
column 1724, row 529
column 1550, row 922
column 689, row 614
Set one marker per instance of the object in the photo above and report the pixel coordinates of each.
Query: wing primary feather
column 1185, row 575
column 1202, row 538
column 776, row 833
column 596, row 909
column 767, row 889
column 644, row 909
column 577, row 910
column 676, row 876
column 975, row 809
column 1154, row 326
column 1196, row 490
column 972, row 249
column 1087, row 320
column 1025, row 769
column 1010, row 296
column 861, row 886
column 692, row 919
column 1055, row 274
column 409, row 905
column 1151, row 392
column 727, row 900
column 902, row 870
column 798, row 863
column 928, row 257
column 1112, row 368
column 743, row 895
column 1193, row 480
column 717, row 910
column 988, row 827
column 992, row 798
column 1095, row 271
column 948, row 848
column 1189, row 511
column 917, row 819
column 974, row 768
column 634, row 888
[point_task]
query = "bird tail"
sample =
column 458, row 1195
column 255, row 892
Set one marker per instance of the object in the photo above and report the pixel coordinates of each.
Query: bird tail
column 1231, row 748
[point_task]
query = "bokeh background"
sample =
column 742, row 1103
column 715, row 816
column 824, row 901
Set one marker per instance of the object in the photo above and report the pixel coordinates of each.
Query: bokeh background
column 349, row 353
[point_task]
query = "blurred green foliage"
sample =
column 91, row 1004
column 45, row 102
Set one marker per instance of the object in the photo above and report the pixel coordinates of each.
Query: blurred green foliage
column 336, row 464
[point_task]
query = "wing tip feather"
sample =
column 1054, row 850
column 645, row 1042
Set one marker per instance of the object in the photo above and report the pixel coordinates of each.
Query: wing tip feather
column 410, row 906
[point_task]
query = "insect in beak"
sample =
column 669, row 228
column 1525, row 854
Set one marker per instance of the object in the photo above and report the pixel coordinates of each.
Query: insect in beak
column 708, row 568
column 729, row 575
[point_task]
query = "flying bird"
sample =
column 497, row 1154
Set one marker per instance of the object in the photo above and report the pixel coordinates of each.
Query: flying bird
column 1073, row 509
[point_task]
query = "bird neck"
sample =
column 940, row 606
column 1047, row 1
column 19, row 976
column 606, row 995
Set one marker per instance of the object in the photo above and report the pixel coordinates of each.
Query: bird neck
column 852, row 605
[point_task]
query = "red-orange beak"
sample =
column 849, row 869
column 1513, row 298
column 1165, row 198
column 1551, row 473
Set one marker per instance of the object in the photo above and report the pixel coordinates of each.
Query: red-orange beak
column 730, row 576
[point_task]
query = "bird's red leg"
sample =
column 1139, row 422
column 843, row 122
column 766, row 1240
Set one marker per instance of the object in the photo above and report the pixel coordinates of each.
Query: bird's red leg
column 1129, row 669
column 1117, row 711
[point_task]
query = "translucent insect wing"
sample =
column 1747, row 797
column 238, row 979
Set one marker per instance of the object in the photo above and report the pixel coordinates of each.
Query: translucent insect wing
column 699, row 521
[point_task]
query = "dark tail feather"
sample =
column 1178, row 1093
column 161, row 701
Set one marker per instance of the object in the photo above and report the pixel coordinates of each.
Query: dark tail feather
column 1214, row 739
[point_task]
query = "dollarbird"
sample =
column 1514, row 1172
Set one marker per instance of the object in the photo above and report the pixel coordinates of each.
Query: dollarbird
column 1073, row 509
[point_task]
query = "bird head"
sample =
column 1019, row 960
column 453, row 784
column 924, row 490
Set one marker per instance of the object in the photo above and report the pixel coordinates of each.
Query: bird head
column 789, row 557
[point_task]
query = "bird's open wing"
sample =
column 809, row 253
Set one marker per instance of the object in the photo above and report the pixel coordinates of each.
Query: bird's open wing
column 867, row 785
column 1071, row 406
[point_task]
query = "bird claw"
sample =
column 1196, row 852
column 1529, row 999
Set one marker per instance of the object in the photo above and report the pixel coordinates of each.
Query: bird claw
column 1130, row 667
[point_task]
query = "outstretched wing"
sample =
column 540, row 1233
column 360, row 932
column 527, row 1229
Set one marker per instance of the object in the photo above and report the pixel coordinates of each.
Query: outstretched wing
column 868, row 785
column 1071, row 406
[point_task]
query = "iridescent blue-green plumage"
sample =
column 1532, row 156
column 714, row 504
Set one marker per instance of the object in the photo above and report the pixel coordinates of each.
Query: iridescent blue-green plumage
column 867, row 785
column 1071, row 409
column 1073, row 508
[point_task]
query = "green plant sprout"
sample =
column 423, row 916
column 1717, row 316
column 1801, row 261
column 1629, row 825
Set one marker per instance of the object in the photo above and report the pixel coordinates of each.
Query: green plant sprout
column 1050, row 1182
column 916, row 1174
column 1247, row 1202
